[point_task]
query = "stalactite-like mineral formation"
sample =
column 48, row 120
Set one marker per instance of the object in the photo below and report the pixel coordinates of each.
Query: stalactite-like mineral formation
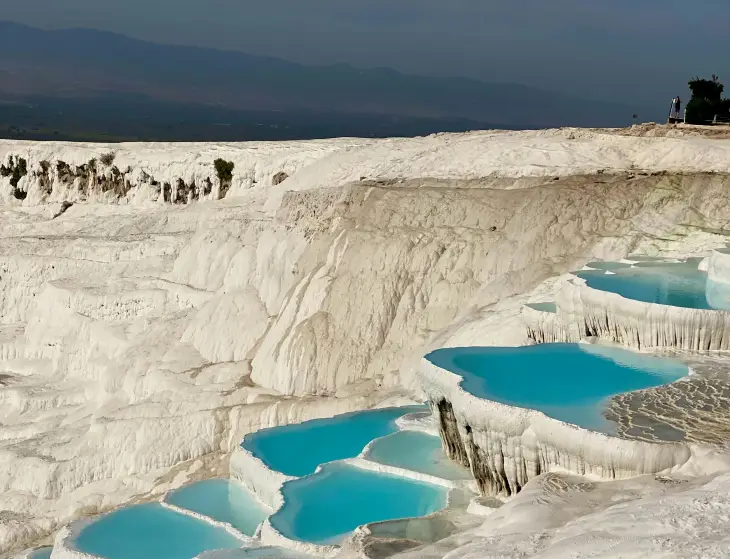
column 505, row 446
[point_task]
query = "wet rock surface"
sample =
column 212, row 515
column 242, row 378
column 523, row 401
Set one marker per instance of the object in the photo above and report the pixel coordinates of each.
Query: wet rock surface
column 696, row 409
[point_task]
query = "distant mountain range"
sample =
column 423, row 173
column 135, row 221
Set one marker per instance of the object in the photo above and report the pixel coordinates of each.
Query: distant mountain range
column 83, row 63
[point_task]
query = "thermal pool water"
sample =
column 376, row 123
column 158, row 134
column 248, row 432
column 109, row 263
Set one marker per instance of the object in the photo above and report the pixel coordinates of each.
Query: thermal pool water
column 222, row 500
column 568, row 382
column 418, row 452
column 323, row 508
column 679, row 284
column 296, row 450
column 151, row 531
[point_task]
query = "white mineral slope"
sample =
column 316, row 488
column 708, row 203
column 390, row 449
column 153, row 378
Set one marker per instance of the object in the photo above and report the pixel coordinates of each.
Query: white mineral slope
column 101, row 396
column 561, row 516
column 140, row 340
column 427, row 252
column 313, row 164
column 512, row 155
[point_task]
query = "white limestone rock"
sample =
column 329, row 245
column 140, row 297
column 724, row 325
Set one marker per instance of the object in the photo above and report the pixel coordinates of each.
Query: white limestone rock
column 557, row 516
column 140, row 340
column 228, row 327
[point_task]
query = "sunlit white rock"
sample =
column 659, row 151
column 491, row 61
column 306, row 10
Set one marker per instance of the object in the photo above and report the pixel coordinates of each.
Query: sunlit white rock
column 141, row 340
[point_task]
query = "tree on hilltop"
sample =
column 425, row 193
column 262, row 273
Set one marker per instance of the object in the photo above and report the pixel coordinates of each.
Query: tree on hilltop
column 706, row 101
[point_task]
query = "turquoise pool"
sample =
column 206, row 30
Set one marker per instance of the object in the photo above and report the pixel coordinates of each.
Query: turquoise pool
column 151, row 531
column 325, row 507
column 416, row 451
column 223, row 500
column 569, row 382
column 297, row 450
column 674, row 284
column 41, row 553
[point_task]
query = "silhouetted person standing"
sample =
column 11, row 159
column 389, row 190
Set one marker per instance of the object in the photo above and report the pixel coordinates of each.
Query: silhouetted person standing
column 676, row 108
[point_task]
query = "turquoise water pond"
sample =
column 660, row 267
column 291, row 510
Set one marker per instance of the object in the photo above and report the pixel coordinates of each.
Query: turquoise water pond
column 416, row 451
column 325, row 507
column 151, row 531
column 223, row 500
column 568, row 382
column 41, row 553
column 297, row 450
column 674, row 284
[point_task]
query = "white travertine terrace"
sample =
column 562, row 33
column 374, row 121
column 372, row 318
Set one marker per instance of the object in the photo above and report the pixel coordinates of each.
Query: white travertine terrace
column 583, row 311
column 506, row 446
column 141, row 338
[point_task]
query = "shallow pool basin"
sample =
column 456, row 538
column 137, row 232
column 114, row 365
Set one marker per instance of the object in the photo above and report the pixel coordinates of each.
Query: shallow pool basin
column 222, row 500
column 675, row 284
column 296, row 450
column 547, row 306
column 568, row 382
column 41, row 553
column 327, row 506
column 418, row 452
column 151, row 531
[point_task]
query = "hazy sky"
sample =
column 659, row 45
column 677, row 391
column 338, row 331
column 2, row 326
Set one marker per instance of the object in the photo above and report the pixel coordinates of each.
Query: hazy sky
column 643, row 49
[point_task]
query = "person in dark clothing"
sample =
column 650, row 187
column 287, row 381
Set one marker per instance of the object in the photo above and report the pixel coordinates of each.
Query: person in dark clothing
column 676, row 107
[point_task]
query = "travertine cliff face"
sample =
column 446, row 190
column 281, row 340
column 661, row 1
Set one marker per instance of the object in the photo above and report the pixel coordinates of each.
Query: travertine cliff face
column 390, row 265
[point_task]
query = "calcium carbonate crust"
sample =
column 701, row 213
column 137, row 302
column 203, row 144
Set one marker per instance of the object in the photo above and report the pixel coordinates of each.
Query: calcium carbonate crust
column 506, row 446
column 547, row 327
column 261, row 480
column 267, row 485
column 421, row 421
column 64, row 546
column 149, row 173
column 637, row 324
column 271, row 536
column 208, row 520
column 119, row 316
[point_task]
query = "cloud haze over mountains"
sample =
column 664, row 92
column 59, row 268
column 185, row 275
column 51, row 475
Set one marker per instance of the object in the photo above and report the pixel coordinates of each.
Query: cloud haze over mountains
column 644, row 51
column 82, row 62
